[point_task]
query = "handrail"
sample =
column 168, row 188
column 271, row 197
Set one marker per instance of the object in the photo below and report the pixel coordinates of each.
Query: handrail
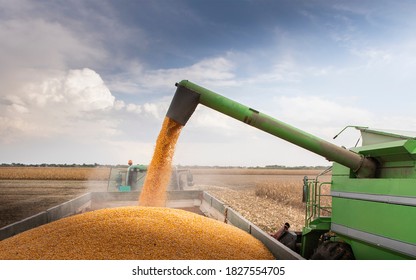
column 315, row 207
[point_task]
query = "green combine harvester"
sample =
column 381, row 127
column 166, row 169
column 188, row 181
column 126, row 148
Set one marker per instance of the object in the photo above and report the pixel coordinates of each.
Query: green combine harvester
column 373, row 187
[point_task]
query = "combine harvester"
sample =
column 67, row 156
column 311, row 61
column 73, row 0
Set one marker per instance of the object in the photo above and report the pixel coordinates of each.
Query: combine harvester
column 373, row 190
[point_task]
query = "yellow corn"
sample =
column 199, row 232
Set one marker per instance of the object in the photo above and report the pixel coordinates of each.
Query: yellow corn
column 134, row 232
column 159, row 171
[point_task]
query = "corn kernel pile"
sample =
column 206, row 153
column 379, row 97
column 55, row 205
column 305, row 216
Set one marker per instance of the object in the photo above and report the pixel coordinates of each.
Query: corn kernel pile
column 159, row 172
column 134, row 232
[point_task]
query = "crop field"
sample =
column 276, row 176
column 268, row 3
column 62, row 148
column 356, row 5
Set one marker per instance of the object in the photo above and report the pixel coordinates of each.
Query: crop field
column 267, row 197
column 55, row 173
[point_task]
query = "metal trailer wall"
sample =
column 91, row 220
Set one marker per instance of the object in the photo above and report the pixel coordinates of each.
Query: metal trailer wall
column 212, row 207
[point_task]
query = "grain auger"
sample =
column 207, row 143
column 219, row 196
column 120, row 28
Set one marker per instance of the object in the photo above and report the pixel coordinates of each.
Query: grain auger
column 188, row 95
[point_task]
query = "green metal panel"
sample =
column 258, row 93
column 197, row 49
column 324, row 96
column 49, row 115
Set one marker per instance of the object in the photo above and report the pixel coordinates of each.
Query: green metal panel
column 392, row 222
column 367, row 251
column 390, row 148
column 388, row 220
column 401, row 150
column 396, row 159
column 390, row 186
column 312, row 233
column 377, row 216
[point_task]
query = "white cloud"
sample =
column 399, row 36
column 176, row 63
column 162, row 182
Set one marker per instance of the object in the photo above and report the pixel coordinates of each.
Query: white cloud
column 41, row 44
column 374, row 56
column 156, row 110
column 18, row 108
column 324, row 118
column 318, row 110
column 218, row 69
column 64, row 103
column 137, row 80
column 152, row 109
column 285, row 70
column 79, row 90
column 119, row 105
column 11, row 129
column 87, row 90
column 206, row 118
column 133, row 108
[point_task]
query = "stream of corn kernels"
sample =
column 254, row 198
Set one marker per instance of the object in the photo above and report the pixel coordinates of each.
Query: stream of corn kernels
column 159, row 171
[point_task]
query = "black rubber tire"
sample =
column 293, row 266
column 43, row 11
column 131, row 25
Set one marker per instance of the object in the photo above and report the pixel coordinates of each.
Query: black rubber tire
column 330, row 250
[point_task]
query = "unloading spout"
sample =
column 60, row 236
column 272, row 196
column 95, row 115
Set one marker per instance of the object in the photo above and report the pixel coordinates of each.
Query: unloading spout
column 183, row 104
column 188, row 95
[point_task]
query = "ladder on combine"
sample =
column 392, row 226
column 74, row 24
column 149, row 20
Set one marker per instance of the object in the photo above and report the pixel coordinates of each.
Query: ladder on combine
column 317, row 199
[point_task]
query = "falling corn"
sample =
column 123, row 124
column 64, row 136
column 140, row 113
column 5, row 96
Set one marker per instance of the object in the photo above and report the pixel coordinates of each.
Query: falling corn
column 135, row 232
column 159, row 172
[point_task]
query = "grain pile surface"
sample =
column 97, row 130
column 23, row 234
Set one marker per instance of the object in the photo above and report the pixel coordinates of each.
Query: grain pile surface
column 134, row 232
column 159, row 171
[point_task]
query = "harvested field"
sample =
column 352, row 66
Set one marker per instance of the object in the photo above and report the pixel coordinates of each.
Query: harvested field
column 55, row 173
column 255, row 171
column 268, row 198
column 20, row 199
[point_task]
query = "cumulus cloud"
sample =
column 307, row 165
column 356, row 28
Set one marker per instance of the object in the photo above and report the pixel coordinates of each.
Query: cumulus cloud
column 52, row 105
column 78, row 90
column 75, row 104
column 152, row 109
column 41, row 44
column 40, row 95
column 133, row 108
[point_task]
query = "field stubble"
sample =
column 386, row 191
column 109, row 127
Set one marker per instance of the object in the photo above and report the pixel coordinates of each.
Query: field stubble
column 268, row 198
column 55, row 173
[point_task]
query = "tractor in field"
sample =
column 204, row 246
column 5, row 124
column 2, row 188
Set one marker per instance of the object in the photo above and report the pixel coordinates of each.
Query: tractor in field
column 372, row 190
column 131, row 178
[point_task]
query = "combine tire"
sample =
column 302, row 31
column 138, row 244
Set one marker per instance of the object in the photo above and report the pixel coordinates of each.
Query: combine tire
column 330, row 250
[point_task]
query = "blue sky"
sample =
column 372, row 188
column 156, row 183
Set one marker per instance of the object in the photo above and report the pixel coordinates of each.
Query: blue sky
column 90, row 81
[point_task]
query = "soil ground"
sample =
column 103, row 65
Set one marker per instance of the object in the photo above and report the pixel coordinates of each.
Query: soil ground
column 20, row 199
